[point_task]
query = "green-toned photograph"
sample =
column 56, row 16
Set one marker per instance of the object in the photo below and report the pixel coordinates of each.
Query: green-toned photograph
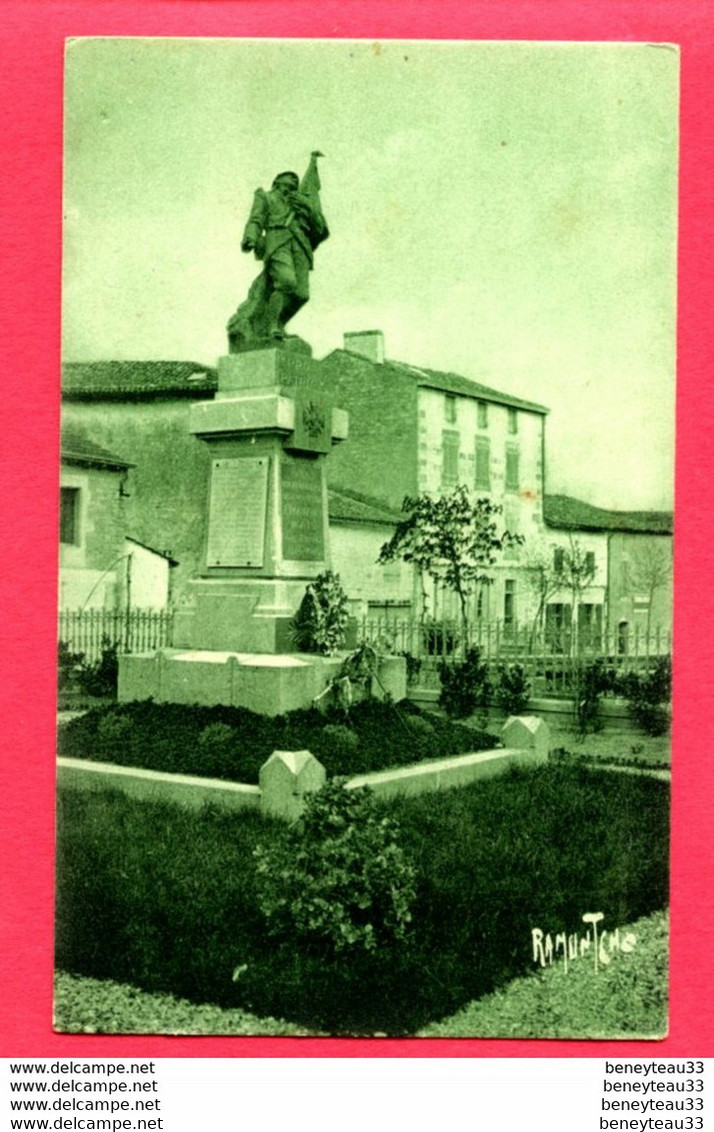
column 365, row 547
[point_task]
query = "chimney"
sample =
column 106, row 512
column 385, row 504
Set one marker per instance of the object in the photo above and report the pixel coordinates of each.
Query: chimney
column 366, row 343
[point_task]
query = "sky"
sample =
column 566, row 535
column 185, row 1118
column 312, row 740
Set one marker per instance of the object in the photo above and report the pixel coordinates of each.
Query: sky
column 506, row 211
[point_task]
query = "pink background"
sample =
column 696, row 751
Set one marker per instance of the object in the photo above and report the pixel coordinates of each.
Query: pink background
column 30, row 219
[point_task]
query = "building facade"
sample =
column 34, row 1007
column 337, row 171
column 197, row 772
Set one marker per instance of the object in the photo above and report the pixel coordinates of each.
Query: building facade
column 411, row 431
column 91, row 522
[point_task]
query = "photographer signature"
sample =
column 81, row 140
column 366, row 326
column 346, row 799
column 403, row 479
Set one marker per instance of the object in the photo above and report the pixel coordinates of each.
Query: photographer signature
column 568, row 947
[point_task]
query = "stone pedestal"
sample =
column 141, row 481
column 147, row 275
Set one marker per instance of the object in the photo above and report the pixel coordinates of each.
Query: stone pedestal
column 268, row 434
column 268, row 533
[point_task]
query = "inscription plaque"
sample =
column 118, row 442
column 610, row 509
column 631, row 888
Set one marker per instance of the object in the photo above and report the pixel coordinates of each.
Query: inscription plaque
column 302, row 511
column 236, row 517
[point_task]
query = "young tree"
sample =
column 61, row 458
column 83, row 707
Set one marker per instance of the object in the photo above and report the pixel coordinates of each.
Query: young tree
column 543, row 569
column 649, row 570
column 579, row 569
column 452, row 539
column 551, row 569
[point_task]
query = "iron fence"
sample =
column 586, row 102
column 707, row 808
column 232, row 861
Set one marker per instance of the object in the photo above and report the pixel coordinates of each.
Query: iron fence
column 87, row 631
column 549, row 656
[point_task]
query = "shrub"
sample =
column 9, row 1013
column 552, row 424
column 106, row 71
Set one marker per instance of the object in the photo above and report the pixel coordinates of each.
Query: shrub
column 465, row 688
column 100, row 679
column 340, row 880
column 215, row 744
column 513, row 691
column 113, row 730
column 413, row 667
column 69, row 666
column 340, row 744
column 590, row 683
column 648, row 696
column 422, row 732
column 320, row 624
column 97, row 679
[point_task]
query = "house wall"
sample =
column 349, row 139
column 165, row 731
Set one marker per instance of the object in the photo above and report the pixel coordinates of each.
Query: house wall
column 440, row 413
column 149, row 578
column 522, row 505
column 90, row 563
column 167, row 507
column 355, row 550
column 167, row 504
column 379, row 456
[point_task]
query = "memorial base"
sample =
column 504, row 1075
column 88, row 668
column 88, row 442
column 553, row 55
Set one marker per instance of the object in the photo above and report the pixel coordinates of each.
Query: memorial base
column 268, row 685
column 239, row 614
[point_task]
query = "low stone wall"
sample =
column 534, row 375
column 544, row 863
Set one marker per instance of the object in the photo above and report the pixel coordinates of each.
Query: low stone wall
column 444, row 774
column 154, row 786
column 288, row 776
column 558, row 713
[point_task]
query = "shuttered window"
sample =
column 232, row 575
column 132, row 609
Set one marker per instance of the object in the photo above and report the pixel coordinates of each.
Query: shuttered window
column 450, row 458
column 482, row 479
column 69, row 516
column 512, row 470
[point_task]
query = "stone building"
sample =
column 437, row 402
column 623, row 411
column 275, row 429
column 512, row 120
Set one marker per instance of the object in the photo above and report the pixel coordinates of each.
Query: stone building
column 101, row 566
column 634, row 561
column 91, row 522
column 411, row 430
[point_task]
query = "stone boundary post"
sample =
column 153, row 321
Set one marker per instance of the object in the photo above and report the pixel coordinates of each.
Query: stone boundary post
column 285, row 778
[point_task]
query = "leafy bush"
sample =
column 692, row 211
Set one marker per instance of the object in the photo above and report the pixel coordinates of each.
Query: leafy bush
column 513, row 690
column 413, row 667
column 113, row 731
column 465, row 688
column 340, row 744
column 590, row 683
column 69, row 666
column 649, row 695
column 340, row 880
column 422, row 732
column 97, row 679
column 320, row 624
column 214, row 745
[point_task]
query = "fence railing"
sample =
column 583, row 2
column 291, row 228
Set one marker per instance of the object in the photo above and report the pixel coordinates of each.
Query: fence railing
column 140, row 630
column 549, row 654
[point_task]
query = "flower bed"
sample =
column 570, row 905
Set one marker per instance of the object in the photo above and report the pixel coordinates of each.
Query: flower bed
column 233, row 743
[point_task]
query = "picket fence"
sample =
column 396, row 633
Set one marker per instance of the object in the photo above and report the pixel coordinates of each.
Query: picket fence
column 549, row 659
column 88, row 631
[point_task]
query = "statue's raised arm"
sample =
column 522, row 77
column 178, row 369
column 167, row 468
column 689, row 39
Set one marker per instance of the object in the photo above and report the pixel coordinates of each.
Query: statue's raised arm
column 284, row 227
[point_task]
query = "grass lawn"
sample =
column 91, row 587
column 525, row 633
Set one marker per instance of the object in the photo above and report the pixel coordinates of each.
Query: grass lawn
column 102, row 1006
column 167, row 899
column 615, row 746
column 626, row 999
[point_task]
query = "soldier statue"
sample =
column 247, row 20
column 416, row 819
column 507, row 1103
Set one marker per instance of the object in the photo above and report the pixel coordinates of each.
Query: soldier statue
column 285, row 226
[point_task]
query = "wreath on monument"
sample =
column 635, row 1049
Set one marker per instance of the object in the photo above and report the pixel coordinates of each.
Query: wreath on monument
column 320, row 624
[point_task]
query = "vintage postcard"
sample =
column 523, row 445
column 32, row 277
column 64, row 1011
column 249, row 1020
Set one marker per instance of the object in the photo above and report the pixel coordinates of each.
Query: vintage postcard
column 366, row 516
